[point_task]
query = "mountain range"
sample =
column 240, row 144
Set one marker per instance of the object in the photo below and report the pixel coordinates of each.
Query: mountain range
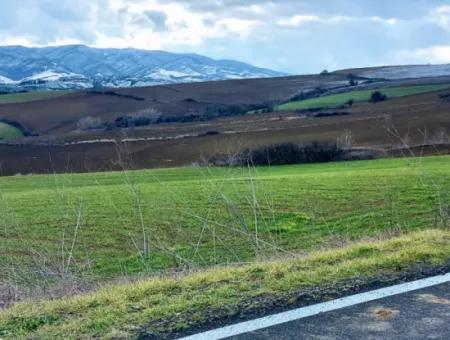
column 82, row 67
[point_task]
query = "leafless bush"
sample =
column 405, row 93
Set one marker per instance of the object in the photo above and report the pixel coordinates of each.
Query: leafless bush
column 90, row 123
column 441, row 136
column 139, row 118
column 346, row 140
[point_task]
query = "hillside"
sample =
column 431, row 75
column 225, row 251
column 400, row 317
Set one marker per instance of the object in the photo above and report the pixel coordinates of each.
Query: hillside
column 298, row 208
column 401, row 71
column 171, row 100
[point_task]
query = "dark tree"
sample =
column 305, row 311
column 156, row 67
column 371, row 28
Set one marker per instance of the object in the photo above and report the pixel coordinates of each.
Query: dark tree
column 377, row 96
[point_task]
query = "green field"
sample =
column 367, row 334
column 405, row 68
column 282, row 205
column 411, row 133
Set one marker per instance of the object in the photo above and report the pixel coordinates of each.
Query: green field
column 30, row 96
column 117, row 223
column 359, row 96
column 9, row 132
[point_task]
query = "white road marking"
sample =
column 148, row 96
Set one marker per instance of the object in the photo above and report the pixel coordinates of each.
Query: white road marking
column 300, row 313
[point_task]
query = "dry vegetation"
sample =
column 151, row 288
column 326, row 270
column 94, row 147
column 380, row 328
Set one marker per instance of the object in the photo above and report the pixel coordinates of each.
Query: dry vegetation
column 163, row 306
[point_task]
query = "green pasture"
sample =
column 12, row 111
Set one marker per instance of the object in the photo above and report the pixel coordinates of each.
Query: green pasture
column 359, row 96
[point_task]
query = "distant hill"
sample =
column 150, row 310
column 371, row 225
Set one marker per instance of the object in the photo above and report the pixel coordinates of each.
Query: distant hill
column 81, row 67
column 400, row 71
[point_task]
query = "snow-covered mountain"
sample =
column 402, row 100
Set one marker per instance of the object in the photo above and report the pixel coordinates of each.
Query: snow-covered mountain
column 80, row 67
column 6, row 81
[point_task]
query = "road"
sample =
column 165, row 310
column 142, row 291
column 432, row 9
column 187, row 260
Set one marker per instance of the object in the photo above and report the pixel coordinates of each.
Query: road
column 412, row 310
column 421, row 314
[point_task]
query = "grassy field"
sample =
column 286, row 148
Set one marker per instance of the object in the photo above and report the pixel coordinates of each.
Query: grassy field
column 359, row 96
column 9, row 132
column 163, row 306
column 121, row 223
column 30, row 96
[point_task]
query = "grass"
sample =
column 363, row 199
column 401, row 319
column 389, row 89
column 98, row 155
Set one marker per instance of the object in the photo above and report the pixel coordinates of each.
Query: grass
column 359, row 96
column 127, row 223
column 11, row 98
column 167, row 305
column 9, row 132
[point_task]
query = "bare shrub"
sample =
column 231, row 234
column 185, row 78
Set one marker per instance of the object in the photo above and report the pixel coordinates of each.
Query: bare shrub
column 346, row 140
column 139, row 118
column 439, row 137
column 90, row 123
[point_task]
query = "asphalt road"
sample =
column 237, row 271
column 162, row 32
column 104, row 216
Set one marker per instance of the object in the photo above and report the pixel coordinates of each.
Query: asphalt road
column 420, row 314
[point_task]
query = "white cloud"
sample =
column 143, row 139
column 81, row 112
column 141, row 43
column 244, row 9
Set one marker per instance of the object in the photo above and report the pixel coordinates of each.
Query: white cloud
column 433, row 54
column 290, row 35
column 237, row 26
column 387, row 21
column 441, row 15
column 182, row 27
column 297, row 20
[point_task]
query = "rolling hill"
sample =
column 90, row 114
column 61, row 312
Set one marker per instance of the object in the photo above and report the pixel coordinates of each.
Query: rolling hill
column 195, row 121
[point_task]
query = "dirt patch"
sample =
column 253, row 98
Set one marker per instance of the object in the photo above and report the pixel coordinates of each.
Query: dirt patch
column 430, row 298
column 383, row 313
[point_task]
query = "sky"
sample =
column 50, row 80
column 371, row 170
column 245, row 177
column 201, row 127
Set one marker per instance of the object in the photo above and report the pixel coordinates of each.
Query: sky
column 293, row 36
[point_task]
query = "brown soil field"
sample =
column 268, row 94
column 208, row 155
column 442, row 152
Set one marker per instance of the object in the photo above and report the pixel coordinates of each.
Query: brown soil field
column 59, row 116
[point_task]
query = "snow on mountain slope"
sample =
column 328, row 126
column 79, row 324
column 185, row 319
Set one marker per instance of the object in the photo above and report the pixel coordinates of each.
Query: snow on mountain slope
column 55, row 80
column 80, row 66
column 45, row 76
column 6, row 81
column 403, row 72
column 170, row 76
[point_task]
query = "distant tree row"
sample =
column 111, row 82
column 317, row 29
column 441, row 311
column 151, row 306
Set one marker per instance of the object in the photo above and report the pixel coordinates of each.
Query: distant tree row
column 286, row 153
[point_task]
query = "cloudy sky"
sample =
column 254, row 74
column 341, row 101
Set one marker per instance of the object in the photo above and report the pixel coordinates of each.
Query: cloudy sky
column 295, row 36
